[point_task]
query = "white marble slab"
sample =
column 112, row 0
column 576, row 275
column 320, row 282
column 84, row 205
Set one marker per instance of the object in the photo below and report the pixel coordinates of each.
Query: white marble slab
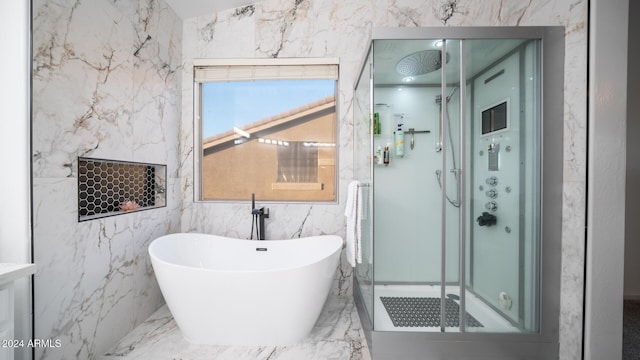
column 337, row 335
column 106, row 84
column 10, row 271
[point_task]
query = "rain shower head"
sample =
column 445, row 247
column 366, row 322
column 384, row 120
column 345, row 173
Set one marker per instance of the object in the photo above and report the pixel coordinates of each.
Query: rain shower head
column 420, row 63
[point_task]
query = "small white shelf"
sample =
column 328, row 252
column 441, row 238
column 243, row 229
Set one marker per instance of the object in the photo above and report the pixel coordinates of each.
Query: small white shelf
column 10, row 272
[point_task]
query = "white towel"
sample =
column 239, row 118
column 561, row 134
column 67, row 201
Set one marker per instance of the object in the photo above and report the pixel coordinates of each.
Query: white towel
column 353, row 212
column 359, row 217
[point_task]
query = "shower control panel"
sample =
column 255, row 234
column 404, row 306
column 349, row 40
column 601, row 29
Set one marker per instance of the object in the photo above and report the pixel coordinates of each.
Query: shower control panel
column 497, row 163
column 497, row 158
column 489, row 218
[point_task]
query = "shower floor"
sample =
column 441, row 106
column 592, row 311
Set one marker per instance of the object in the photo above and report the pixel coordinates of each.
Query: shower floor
column 491, row 322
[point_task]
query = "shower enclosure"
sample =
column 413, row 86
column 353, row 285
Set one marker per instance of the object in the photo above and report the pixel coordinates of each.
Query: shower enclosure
column 458, row 138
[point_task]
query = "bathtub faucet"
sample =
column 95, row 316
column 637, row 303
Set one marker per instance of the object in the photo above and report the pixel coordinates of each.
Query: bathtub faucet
column 259, row 214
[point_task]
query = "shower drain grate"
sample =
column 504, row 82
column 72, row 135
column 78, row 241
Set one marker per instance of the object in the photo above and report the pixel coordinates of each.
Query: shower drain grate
column 424, row 312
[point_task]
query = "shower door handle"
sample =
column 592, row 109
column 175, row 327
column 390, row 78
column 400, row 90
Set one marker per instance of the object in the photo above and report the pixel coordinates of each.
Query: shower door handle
column 440, row 142
column 441, row 122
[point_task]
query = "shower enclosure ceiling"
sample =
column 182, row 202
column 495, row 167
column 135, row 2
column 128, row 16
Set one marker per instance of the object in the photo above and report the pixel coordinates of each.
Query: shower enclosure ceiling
column 453, row 222
column 422, row 54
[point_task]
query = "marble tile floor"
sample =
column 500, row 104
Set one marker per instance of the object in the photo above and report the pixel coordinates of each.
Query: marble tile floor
column 337, row 335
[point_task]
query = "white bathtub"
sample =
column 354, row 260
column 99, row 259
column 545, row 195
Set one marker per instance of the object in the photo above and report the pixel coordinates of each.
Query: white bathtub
column 244, row 292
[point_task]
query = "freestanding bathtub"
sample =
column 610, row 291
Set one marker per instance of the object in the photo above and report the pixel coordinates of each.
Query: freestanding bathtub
column 228, row 291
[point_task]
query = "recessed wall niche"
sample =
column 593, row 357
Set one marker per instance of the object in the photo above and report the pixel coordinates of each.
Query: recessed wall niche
column 111, row 187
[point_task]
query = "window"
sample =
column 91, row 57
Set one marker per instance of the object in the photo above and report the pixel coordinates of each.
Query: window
column 266, row 127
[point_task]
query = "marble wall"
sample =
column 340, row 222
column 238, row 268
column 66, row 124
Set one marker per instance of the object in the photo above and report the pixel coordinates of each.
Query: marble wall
column 106, row 84
column 330, row 28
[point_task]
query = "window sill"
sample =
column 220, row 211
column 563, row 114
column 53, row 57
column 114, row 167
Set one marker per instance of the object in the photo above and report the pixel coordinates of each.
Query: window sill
column 297, row 186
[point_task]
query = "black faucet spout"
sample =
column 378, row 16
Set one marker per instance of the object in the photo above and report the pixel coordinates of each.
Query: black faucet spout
column 263, row 214
column 259, row 214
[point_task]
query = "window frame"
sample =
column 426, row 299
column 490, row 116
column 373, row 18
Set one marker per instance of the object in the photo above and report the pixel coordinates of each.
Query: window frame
column 198, row 193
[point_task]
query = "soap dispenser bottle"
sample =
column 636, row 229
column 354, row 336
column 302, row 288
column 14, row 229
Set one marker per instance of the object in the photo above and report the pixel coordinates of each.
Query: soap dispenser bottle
column 399, row 141
column 376, row 124
column 378, row 156
column 385, row 155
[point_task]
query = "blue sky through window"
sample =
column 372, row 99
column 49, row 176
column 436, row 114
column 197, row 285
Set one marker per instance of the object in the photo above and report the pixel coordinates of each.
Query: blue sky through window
column 226, row 105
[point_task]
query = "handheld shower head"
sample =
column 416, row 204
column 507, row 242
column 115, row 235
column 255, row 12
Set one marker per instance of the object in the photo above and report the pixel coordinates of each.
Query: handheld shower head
column 453, row 91
column 439, row 97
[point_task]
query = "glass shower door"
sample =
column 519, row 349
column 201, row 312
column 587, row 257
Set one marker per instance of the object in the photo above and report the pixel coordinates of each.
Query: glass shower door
column 407, row 220
column 451, row 181
column 363, row 173
column 489, row 177
column 501, row 160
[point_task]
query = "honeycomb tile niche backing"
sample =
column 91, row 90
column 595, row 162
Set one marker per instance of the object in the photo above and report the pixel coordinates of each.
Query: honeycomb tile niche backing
column 111, row 187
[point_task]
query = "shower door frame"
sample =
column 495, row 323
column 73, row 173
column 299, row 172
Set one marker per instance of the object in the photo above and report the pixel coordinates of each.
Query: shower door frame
column 543, row 344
